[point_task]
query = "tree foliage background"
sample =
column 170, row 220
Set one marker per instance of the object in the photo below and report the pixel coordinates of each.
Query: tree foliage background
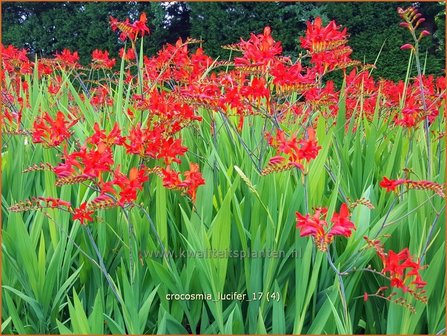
column 46, row 27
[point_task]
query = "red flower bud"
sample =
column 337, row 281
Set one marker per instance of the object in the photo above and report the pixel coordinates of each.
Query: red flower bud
column 419, row 22
column 365, row 297
column 406, row 46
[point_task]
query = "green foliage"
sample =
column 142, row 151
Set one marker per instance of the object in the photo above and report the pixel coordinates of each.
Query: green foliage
column 52, row 276
column 53, row 282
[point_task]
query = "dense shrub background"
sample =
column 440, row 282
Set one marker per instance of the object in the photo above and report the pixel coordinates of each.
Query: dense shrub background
column 46, row 27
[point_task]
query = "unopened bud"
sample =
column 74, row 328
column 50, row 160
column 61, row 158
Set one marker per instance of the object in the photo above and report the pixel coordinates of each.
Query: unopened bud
column 365, row 297
column 406, row 46
column 423, row 33
column 419, row 22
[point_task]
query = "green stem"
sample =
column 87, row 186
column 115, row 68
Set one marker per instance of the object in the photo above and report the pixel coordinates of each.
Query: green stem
column 424, row 104
column 102, row 266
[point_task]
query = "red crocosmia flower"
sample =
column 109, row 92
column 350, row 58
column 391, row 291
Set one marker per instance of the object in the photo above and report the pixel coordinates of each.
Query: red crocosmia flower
column 170, row 149
column 391, row 185
column 309, row 147
column 140, row 25
column 418, row 282
column 44, row 69
column 193, row 179
column 100, row 136
column 83, row 214
column 401, row 267
column 411, row 113
column 341, row 224
column 97, row 160
column 296, row 150
column 256, row 90
column 171, row 179
column 67, row 58
column 71, row 166
column 319, row 38
column 128, row 55
column 402, row 270
column 15, row 60
column 130, row 30
column 100, row 96
column 51, row 132
column 276, row 160
column 259, row 50
column 86, row 163
column 101, row 60
column 129, row 186
column 316, row 226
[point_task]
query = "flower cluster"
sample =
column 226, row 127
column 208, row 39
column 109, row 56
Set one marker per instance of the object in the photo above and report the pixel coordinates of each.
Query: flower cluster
column 295, row 151
column 392, row 185
column 51, row 132
column 401, row 270
column 193, row 179
column 130, row 30
column 316, row 226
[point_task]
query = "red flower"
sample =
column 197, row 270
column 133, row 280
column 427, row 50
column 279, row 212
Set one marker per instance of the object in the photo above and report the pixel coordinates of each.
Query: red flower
column 83, row 214
column 259, row 50
column 128, row 54
column 401, row 269
column 86, row 163
column 154, row 143
column 129, row 186
column 15, row 60
column 309, row 147
column 113, row 138
column 67, row 58
column 130, row 30
column 101, row 60
column 193, row 179
column 171, row 179
column 316, row 226
column 341, row 224
column 50, row 131
column 406, row 46
column 319, row 38
column 96, row 161
column 295, row 150
column 140, row 25
column 391, row 185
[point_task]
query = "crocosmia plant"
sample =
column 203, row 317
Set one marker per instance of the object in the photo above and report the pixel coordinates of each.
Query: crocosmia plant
column 180, row 193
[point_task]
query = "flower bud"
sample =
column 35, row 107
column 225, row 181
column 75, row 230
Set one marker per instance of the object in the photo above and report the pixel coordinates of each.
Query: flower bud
column 419, row 22
column 365, row 297
column 406, row 46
